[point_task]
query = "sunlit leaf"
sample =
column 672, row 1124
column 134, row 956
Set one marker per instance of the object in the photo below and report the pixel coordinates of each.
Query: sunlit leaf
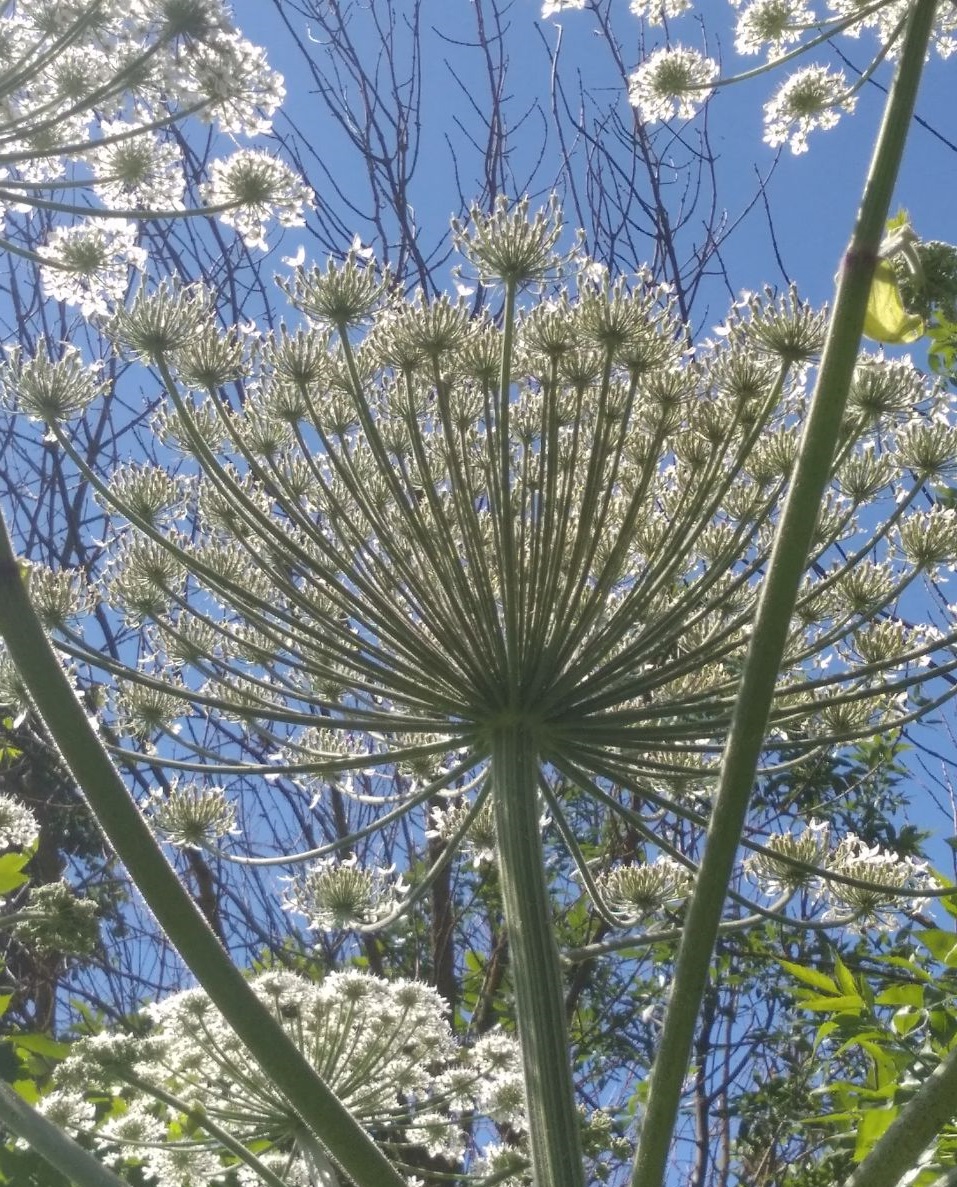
column 886, row 319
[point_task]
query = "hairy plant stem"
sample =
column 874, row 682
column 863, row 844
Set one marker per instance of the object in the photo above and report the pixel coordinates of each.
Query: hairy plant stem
column 553, row 1121
column 78, row 1166
column 775, row 606
column 123, row 824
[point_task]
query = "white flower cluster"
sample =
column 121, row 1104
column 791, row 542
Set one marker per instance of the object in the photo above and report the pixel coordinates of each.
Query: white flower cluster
column 191, row 815
column 92, row 111
column 673, row 82
column 18, row 825
column 637, row 891
column 860, row 886
column 89, row 264
column 338, row 895
column 43, row 918
column 385, row 1048
column 367, row 586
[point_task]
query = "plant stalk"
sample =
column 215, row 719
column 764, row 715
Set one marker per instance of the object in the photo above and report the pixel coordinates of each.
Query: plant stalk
column 775, row 606
column 77, row 1165
column 553, row 1120
column 123, row 824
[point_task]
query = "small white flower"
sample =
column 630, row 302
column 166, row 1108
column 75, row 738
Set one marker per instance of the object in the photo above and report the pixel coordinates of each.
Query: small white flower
column 672, row 82
column 656, row 12
column 778, row 876
column 366, row 254
column 774, row 24
column 636, row 891
column 192, row 816
column 876, row 905
column 336, row 895
column 554, row 7
column 18, row 826
column 814, row 97
column 139, row 172
column 298, row 259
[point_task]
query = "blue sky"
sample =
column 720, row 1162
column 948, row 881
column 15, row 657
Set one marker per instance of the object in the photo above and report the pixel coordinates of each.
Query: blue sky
column 812, row 197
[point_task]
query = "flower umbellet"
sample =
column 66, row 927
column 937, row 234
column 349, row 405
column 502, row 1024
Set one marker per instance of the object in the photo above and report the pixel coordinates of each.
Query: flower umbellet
column 675, row 80
column 92, row 113
column 459, row 574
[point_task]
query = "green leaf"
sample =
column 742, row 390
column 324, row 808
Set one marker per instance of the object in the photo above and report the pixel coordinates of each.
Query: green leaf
column 11, row 865
column 905, row 1019
column 901, row 995
column 950, row 903
column 941, row 944
column 886, row 319
column 41, row 1044
column 873, row 1124
column 844, row 978
column 846, row 1002
column 900, row 219
column 810, row 977
column 27, row 1089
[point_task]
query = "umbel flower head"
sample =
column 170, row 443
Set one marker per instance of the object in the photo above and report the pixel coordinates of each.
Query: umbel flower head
column 90, row 96
column 389, row 564
column 385, row 1048
column 514, row 566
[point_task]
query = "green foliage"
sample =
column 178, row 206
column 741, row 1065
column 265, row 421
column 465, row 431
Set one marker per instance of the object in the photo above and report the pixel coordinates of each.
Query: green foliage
column 12, row 866
column 927, row 284
column 882, row 1030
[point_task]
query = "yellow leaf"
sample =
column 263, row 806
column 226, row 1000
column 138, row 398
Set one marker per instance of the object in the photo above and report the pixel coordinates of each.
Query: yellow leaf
column 886, row 319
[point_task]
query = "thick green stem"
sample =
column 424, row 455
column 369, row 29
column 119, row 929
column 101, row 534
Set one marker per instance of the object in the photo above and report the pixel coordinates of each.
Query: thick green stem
column 915, row 1127
column 553, row 1121
column 120, row 819
column 778, row 595
column 77, row 1165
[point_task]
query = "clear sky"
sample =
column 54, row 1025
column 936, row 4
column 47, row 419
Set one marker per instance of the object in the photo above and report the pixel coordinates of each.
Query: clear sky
column 812, row 198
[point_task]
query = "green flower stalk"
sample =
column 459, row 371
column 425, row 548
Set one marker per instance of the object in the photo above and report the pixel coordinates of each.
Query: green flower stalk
column 821, row 439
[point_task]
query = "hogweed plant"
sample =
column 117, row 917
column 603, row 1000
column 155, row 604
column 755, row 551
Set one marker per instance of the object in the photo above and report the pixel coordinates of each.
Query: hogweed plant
column 465, row 572
column 524, row 560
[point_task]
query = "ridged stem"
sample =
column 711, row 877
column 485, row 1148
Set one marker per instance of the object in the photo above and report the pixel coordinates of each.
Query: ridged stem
column 553, row 1121
column 775, row 606
column 78, row 1166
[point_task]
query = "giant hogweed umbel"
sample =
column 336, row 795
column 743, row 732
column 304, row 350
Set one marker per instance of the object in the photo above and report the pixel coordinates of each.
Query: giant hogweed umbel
column 524, row 556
